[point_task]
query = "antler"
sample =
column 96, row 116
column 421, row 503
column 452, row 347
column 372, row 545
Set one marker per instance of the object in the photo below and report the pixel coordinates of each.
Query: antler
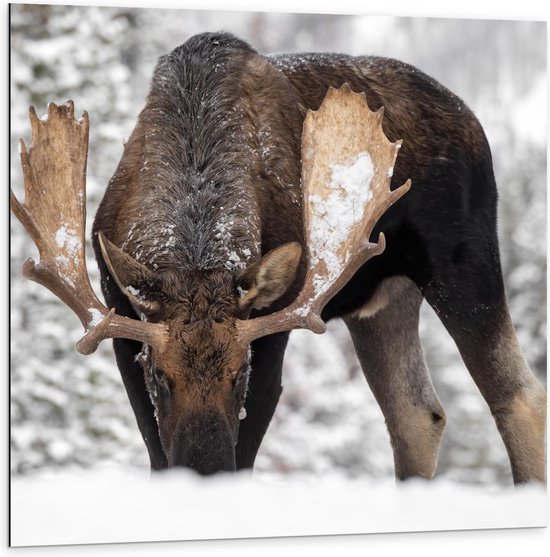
column 347, row 164
column 54, row 215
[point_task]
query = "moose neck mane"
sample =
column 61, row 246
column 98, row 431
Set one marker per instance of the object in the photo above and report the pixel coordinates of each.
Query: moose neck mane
column 200, row 163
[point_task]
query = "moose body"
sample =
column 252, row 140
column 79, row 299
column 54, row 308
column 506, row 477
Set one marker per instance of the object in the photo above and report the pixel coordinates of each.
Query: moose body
column 203, row 223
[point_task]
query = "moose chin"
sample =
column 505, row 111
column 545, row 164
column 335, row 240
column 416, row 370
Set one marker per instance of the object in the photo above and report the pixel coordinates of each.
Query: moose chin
column 260, row 194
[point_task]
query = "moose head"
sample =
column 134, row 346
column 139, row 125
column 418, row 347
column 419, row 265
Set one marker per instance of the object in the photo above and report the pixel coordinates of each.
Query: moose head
column 197, row 370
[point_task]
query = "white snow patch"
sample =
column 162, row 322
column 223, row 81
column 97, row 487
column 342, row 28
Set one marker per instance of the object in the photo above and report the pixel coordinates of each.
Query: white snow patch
column 242, row 292
column 68, row 240
column 97, row 317
column 335, row 216
column 63, row 263
column 142, row 356
column 129, row 236
column 233, row 257
column 231, row 250
column 304, row 310
column 133, row 291
column 221, row 230
column 234, row 261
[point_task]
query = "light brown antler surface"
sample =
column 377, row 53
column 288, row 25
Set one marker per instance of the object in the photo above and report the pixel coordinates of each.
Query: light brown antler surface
column 54, row 215
column 347, row 164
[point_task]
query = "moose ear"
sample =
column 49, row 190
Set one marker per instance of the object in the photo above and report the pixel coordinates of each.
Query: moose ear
column 270, row 277
column 128, row 274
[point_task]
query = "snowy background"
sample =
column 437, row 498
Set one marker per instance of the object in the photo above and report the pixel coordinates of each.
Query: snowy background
column 70, row 411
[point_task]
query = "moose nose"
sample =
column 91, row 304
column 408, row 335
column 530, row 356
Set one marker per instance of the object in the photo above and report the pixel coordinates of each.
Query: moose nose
column 205, row 446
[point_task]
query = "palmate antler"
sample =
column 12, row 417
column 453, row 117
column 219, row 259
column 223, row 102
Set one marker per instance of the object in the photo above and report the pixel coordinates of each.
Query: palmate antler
column 347, row 164
column 54, row 215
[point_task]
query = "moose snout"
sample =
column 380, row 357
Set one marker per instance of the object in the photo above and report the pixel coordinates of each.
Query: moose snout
column 204, row 444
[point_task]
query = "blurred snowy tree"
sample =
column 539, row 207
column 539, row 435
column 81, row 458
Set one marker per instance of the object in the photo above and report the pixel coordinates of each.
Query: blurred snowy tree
column 66, row 409
column 70, row 410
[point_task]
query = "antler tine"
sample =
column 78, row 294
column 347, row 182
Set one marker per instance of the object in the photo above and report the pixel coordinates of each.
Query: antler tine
column 347, row 164
column 54, row 215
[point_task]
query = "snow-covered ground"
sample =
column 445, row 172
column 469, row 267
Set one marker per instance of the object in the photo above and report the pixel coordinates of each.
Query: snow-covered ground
column 112, row 506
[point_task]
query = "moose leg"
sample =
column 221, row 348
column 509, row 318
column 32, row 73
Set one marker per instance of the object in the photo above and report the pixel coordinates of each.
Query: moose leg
column 473, row 308
column 388, row 347
column 264, row 390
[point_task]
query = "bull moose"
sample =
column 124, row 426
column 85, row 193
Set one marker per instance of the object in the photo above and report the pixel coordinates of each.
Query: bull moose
column 218, row 234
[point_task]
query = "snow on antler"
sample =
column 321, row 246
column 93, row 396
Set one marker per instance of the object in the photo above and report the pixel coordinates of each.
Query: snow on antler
column 347, row 164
